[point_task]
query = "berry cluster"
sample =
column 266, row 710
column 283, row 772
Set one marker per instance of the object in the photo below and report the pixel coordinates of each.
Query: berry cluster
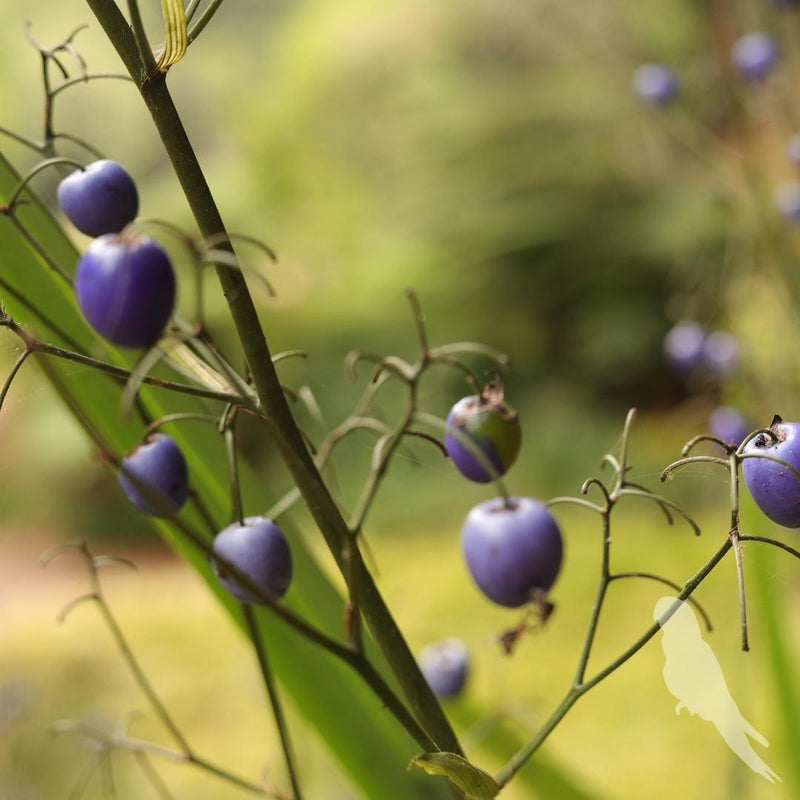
column 124, row 283
column 125, row 287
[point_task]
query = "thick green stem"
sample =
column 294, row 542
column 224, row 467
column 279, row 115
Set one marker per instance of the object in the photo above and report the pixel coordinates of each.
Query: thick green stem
column 271, row 397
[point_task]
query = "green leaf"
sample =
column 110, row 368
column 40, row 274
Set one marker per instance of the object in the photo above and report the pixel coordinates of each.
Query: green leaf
column 766, row 562
column 370, row 745
column 475, row 783
column 177, row 38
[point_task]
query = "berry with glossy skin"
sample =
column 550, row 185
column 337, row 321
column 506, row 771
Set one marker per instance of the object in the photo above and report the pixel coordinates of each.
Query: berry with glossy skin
column 774, row 487
column 259, row 550
column 721, row 353
column 754, row 55
column 99, row 199
column 125, row 288
column 729, row 424
column 484, row 422
column 513, row 550
column 655, row 84
column 444, row 665
column 683, row 345
column 155, row 477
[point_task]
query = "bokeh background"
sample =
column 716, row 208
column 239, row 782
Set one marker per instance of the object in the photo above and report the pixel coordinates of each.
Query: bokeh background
column 494, row 157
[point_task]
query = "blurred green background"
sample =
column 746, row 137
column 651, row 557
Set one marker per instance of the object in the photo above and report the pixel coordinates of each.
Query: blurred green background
column 492, row 156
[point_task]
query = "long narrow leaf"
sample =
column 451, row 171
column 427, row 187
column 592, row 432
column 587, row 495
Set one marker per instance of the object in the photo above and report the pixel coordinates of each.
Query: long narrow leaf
column 370, row 745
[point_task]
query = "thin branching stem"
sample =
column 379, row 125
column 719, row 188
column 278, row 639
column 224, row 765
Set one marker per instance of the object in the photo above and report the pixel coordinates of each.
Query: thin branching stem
column 197, row 28
column 118, row 372
column 667, row 582
column 13, row 374
column 274, row 699
column 577, row 690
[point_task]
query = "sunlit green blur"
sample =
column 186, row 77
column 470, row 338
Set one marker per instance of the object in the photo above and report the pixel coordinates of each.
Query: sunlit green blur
column 491, row 155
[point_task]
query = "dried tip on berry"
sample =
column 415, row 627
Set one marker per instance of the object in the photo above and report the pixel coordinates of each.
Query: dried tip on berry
column 483, row 435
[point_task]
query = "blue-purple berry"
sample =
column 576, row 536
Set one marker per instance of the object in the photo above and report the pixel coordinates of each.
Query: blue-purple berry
column 102, row 198
column 683, row 346
column 773, row 486
column 729, row 425
column 513, row 549
column 445, row 665
column 754, row 55
column 155, row 477
column 483, row 430
column 125, row 287
column 258, row 549
column 787, row 200
column 721, row 353
column 793, row 149
column 655, row 84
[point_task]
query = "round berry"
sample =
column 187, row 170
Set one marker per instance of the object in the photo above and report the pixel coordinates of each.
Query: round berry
column 655, row 84
column 444, row 665
column 728, row 424
column 683, row 345
column 259, row 550
column 513, row 549
column 125, row 288
column 483, row 424
column 754, row 55
column 793, row 149
column 774, row 487
column 155, row 477
column 99, row 199
column 721, row 352
column 787, row 200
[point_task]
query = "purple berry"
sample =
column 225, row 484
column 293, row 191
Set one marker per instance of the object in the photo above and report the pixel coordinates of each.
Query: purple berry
column 728, row 424
column 774, row 487
column 155, row 477
column 444, row 665
column 259, row 550
column 683, row 346
column 513, row 549
column 125, row 288
column 721, row 352
column 485, row 424
column 787, row 200
column 99, row 199
column 655, row 84
column 754, row 55
column 793, row 149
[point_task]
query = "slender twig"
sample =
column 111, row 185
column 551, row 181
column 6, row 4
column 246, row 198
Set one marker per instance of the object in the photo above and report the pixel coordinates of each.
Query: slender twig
column 774, row 542
column 205, row 18
column 112, row 369
column 576, row 691
column 233, row 466
column 274, row 699
column 13, row 374
column 661, row 579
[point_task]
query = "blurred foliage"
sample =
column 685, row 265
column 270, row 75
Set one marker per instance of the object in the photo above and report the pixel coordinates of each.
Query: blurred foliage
column 491, row 154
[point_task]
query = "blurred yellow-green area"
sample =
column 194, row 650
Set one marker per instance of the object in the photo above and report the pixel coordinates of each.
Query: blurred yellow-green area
column 492, row 155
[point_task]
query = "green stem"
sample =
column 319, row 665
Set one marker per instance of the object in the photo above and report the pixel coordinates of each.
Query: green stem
column 602, row 588
column 274, row 699
column 578, row 690
column 286, row 435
